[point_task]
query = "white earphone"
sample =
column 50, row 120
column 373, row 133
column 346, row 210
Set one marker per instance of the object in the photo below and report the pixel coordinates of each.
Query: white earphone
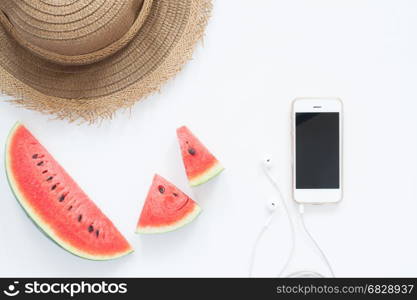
column 272, row 205
column 271, row 202
column 267, row 162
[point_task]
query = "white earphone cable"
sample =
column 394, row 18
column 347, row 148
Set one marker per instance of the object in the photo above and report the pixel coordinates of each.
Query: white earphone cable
column 322, row 254
column 255, row 245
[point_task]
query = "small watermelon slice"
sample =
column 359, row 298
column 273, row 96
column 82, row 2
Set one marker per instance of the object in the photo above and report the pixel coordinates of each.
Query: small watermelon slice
column 166, row 208
column 56, row 204
column 200, row 165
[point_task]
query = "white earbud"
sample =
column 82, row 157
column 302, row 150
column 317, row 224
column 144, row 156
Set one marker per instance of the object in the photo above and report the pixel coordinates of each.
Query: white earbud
column 271, row 204
column 267, row 163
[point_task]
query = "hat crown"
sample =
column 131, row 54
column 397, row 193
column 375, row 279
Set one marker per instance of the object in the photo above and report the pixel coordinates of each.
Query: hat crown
column 70, row 28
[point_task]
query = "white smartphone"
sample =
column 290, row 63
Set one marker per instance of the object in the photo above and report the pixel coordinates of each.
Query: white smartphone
column 317, row 150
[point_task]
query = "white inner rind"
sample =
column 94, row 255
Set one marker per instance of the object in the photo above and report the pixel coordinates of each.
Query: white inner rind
column 213, row 171
column 37, row 219
column 166, row 228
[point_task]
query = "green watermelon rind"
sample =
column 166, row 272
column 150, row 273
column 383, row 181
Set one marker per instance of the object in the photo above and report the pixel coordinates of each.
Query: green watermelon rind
column 205, row 176
column 41, row 224
column 167, row 228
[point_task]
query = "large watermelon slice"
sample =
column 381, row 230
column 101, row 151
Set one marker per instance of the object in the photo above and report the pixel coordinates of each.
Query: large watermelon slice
column 166, row 208
column 55, row 203
column 200, row 165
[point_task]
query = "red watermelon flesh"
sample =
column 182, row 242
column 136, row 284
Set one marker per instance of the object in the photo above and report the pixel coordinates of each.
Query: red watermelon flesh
column 166, row 208
column 56, row 204
column 200, row 165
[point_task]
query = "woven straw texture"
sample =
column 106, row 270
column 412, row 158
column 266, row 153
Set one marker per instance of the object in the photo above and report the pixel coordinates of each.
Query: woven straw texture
column 145, row 58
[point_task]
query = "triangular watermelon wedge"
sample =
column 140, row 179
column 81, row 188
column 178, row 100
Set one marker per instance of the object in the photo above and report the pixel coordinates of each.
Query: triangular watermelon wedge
column 166, row 208
column 200, row 165
column 56, row 204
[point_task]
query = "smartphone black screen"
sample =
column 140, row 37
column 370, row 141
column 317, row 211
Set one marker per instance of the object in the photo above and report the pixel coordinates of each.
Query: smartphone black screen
column 317, row 150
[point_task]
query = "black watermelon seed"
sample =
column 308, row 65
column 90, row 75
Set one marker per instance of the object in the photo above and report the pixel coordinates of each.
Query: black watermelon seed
column 40, row 163
column 90, row 228
column 161, row 189
column 62, row 198
column 191, row 151
column 175, row 194
column 53, row 187
column 49, row 178
column 97, row 233
column 43, row 172
column 69, row 208
column 80, row 217
column 34, row 156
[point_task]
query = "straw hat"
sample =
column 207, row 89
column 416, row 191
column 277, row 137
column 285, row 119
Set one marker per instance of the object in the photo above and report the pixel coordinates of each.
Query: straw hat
column 85, row 59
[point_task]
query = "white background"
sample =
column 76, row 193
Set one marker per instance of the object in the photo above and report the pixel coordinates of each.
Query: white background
column 235, row 95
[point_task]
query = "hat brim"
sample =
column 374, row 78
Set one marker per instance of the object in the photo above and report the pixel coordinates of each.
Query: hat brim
column 96, row 91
